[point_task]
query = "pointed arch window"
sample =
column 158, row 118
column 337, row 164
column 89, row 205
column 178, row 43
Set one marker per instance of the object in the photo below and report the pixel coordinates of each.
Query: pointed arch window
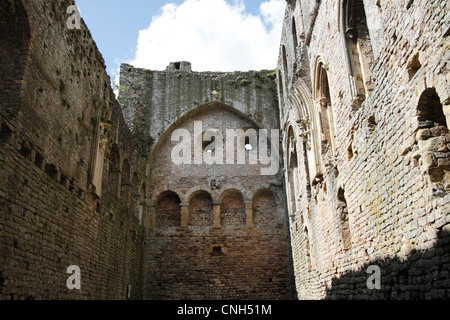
column 294, row 35
column 285, row 66
column 281, row 93
column 293, row 170
column 359, row 48
column 326, row 117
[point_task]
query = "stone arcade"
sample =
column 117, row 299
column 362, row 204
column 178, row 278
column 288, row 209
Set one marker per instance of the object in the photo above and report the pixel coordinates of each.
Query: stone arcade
column 361, row 98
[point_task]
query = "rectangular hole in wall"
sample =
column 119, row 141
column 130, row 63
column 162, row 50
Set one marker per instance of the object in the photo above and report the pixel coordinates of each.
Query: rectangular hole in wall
column 98, row 207
column 5, row 133
column 64, row 181
column 217, row 251
column 39, row 160
column 25, row 151
column 51, row 171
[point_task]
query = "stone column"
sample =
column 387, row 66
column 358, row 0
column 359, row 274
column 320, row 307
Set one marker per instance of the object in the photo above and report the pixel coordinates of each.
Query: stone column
column 184, row 215
column 216, row 215
column 249, row 215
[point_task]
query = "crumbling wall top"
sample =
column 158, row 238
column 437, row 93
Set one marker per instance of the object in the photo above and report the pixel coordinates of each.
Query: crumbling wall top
column 180, row 66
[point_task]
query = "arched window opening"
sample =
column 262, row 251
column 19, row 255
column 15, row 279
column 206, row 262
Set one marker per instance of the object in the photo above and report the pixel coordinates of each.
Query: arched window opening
column 250, row 139
column 342, row 210
column 208, row 146
column 232, row 209
column 113, row 178
column 292, row 170
column 307, row 171
column 359, row 47
column 168, row 210
column 326, row 110
column 201, row 210
column 281, row 93
column 433, row 132
column 294, row 35
column 431, row 112
column 125, row 184
column 285, row 66
column 264, row 208
column 212, row 141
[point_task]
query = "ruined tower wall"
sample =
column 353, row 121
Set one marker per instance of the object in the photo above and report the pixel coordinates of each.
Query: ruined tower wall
column 153, row 100
column 373, row 186
column 246, row 227
column 216, row 231
column 56, row 105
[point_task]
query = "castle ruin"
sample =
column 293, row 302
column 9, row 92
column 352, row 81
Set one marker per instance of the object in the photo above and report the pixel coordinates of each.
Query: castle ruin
column 360, row 104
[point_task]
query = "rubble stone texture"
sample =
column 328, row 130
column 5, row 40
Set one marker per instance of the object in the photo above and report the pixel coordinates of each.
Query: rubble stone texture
column 364, row 95
column 360, row 98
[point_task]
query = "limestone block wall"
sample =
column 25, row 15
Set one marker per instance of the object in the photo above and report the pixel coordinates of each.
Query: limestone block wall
column 375, row 190
column 216, row 231
column 57, row 111
column 153, row 100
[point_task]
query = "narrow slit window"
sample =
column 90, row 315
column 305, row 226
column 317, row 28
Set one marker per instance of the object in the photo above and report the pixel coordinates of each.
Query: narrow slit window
column 359, row 47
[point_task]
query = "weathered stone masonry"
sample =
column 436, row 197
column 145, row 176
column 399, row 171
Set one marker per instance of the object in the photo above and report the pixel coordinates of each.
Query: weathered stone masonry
column 59, row 123
column 364, row 94
column 361, row 97
column 90, row 183
column 214, row 231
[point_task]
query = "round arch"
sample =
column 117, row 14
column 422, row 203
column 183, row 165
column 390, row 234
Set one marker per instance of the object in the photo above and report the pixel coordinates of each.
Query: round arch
column 194, row 112
column 168, row 210
column 191, row 193
column 200, row 209
column 264, row 208
column 231, row 192
column 232, row 208
column 306, row 120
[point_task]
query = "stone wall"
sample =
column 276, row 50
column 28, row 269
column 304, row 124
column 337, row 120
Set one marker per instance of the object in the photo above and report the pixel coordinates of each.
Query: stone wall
column 59, row 122
column 78, row 187
column 216, row 231
column 363, row 107
column 374, row 189
column 153, row 100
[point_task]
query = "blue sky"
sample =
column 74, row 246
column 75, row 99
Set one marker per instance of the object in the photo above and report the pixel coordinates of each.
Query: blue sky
column 215, row 35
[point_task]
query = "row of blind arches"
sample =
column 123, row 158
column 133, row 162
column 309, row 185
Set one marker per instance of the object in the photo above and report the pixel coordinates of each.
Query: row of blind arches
column 201, row 207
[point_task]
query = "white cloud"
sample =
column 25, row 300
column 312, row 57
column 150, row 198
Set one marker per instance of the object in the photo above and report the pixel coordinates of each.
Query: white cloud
column 273, row 12
column 214, row 35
